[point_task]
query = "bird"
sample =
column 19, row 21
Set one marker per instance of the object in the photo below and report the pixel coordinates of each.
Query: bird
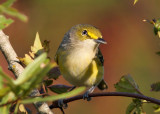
column 80, row 60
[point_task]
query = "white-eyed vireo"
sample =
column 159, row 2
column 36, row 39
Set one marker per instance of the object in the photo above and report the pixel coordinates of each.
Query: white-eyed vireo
column 79, row 58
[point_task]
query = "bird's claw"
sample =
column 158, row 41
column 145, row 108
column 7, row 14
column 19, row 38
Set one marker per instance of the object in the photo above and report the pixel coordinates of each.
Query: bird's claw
column 62, row 104
column 86, row 96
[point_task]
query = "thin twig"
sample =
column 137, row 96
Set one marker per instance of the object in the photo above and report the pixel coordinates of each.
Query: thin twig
column 17, row 69
column 123, row 94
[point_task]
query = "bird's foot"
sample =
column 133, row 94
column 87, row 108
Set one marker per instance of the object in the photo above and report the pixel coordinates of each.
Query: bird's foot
column 86, row 96
column 62, row 104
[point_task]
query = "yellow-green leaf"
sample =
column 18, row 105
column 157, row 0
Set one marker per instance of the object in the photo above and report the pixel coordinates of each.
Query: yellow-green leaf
column 22, row 109
column 26, row 60
column 135, row 1
column 31, row 54
column 59, row 88
column 4, row 22
column 1, row 82
column 31, row 69
column 5, row 76
column 8, row 3
column 4, row 91
column 13, row 12
column 127, row 84
column 135, row 107
column 158, row 34
column 155, row 86
column 37, row 44
column 156, row 108
column 55, row 97
column 37, row 78
column 156, row 23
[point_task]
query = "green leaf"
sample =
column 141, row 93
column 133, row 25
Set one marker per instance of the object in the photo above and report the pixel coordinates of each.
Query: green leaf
column 135, row 1
column 37, row 79
column 45, row 45
column 16, row 108
column 4, row 22
column 155, row 86
column 6, row 108
column 4, row 99
column 32, row 69
column 4, row 91
column 8, row 97
column 130, row 108
column 1, row 81
column 13, row 12
column 127, row 84
column 135, row 107
column 55, row 97
column 156, row 24
column 47, row 82
column 54, row 73
column 158, row 53
column 59, row 88
column 8, row 3
column 5, row 76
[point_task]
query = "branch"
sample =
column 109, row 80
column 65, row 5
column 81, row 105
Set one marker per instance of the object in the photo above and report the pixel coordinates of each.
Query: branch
column 10, row 55
column 17, row 69
column 123, row 94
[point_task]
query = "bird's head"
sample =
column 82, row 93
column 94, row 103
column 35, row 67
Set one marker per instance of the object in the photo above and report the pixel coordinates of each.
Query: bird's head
column 86, row 33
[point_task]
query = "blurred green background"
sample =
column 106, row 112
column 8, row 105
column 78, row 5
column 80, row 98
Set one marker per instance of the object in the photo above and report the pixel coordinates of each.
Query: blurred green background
column 130, row 50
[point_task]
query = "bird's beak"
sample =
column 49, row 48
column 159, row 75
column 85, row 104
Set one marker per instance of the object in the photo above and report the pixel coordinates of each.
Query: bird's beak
column 101, row 40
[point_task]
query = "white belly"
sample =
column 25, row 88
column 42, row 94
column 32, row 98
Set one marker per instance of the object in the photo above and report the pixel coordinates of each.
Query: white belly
column 80, row 69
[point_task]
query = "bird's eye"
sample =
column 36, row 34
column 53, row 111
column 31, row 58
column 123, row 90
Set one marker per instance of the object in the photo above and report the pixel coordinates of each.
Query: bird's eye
column 84, row 32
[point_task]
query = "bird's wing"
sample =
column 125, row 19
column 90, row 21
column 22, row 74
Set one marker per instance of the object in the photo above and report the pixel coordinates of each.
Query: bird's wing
column 56, row 58
column 102, row 85
column 55, row 72
column 100, row 57
column 59, row 51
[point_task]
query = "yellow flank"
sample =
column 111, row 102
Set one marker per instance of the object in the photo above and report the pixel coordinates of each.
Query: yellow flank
column 94, row 74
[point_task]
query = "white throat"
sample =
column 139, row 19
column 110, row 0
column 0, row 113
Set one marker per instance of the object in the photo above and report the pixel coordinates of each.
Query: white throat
column 85, row 49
